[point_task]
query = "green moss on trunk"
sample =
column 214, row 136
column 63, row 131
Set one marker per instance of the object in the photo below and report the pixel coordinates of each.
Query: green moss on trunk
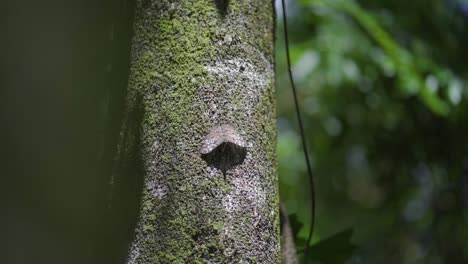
column 194, row 68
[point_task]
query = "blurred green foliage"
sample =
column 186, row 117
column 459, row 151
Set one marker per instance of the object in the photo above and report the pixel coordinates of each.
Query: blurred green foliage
column 383, row 91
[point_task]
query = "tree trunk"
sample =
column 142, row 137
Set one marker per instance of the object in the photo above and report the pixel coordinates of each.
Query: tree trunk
column 288, row 246
column 201, row 118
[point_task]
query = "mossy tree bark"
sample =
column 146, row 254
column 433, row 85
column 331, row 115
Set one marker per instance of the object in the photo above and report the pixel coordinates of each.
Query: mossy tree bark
column 202, row 75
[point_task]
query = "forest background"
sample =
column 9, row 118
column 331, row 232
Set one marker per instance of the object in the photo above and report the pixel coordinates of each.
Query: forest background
column 383, row 92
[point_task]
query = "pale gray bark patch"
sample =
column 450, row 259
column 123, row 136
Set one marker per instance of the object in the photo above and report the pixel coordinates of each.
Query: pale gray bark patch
column 244, row 82
column 134, row 253
column 156, row 189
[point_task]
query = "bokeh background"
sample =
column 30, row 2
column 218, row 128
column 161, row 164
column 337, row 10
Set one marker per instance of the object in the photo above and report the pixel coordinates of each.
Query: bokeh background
column 382, row 87
column 383, row 93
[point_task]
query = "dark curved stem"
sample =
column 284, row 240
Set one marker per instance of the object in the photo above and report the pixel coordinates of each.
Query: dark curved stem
column 301, row 130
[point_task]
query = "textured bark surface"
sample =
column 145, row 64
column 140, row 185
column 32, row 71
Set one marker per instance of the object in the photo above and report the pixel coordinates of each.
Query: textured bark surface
column 197, row 65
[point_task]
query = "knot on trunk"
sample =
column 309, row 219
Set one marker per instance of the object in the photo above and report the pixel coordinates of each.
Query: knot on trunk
column 223, row 148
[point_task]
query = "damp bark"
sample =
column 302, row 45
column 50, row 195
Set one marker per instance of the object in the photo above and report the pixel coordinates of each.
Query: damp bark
column 197, row 66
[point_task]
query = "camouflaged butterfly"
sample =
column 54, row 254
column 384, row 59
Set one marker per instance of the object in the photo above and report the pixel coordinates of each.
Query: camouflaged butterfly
column 223, row 148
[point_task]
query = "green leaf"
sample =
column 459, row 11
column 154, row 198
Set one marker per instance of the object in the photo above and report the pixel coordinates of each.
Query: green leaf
column 411, row 81
column 336, row 249
column 296, row 225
